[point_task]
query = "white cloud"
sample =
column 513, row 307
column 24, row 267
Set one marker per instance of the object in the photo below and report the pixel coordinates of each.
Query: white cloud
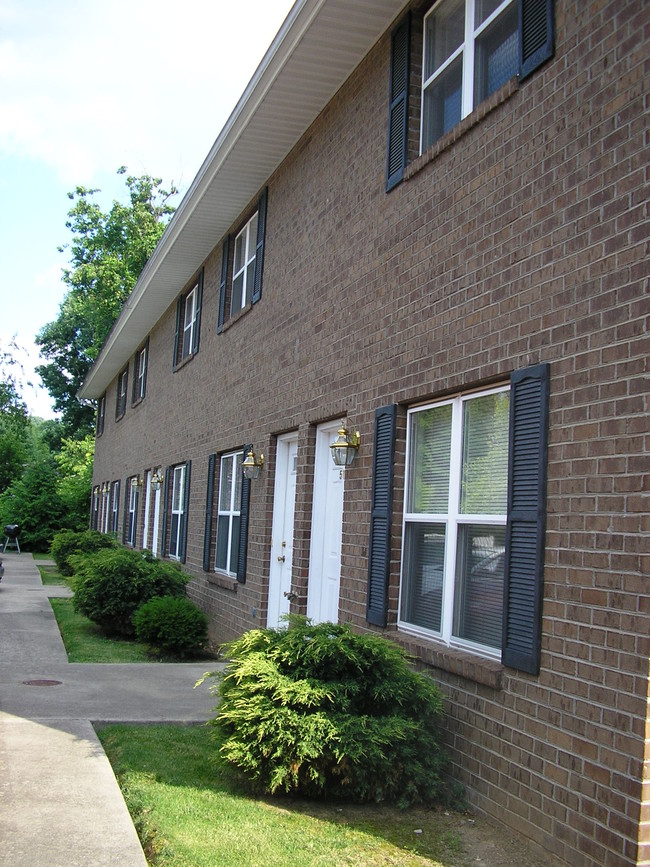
column 91, row 86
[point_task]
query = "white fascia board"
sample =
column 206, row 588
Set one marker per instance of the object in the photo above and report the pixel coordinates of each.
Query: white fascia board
column 322, row 40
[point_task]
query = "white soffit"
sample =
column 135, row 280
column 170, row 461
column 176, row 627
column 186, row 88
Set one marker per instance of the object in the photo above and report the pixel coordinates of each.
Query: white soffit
column 319, row 45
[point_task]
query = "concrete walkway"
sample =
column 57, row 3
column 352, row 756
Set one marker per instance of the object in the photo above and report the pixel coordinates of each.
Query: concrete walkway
column 60, row 805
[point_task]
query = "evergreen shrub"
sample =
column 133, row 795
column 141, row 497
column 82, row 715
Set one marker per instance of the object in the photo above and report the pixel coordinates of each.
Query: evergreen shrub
column 110, row 586
column 172, row 623
column 69, row 542
column 319, row 711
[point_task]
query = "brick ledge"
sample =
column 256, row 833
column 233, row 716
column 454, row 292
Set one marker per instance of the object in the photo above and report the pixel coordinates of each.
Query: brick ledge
column 224, row 581
column 485, row 671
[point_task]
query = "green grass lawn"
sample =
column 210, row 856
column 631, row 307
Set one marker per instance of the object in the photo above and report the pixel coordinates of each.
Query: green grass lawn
column 85, row 642
column 190, row 812
column 50, row 575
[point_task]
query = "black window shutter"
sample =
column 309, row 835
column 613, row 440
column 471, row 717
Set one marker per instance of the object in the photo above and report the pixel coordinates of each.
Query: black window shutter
column 209, row 497
column 197, row 317
column 186, row 508
column 536, row 34
column 398, row 102
column 524, row 556
column 380, row 515
column 179, row 312
column 243, row 522
column 223, row 284
column 125, row 517
column 165, row 518
column 259, row 248
column 135, row 377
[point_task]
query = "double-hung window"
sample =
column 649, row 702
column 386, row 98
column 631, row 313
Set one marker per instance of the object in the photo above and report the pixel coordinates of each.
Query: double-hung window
column 242, row 265
column 188, row 323
column 455, row 515
column 101, row 415
column 177, row 512
column 133, row 511
column 140, row 373
column 243, row 268
column 106, row 507
column 116, row 507
column 229, row 513
column 471, row 48
column 122, row 390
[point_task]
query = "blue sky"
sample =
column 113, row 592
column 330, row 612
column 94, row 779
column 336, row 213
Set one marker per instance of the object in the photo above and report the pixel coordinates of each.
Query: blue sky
column 86, row 87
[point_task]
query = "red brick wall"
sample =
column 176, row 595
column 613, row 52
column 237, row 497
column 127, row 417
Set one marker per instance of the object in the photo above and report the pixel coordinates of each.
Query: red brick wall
column 520, row 238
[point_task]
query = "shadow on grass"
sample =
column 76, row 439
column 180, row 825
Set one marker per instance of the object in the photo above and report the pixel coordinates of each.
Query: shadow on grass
column 190, row 809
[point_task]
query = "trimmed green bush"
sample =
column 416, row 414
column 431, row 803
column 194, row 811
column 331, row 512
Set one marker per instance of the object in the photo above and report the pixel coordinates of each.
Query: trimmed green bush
column 172, row 623
column 110, row 586
column 319, row 711
column 69, row 542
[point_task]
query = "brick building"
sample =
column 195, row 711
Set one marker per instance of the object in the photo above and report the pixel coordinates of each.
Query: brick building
column 427, row 223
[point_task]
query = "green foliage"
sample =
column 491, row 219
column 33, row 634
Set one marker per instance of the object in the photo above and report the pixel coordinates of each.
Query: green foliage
column 69, row 542
column 108, row 252
column 319, row 711
column 75, row 465
column 110, row 585
column 14, row 421
column 33, row 503
column 172, row 623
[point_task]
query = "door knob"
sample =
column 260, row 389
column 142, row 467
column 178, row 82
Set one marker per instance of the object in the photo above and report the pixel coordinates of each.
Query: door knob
column 281, row 559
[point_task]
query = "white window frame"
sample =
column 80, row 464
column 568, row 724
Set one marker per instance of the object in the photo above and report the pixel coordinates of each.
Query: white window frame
column 189, row 322
column 231, row 512
column 177, row 511
column 122, row 392
column 141, row 361
column 106, row 501
column 115, row 499
column 250, row 253
column 452, row 520
column 467, row 49
column 101, row 414
column 133, row 512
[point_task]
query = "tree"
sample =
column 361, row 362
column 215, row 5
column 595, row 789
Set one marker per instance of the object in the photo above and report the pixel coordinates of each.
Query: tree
column 108, row 252
column 14, row 420
column 75, row 470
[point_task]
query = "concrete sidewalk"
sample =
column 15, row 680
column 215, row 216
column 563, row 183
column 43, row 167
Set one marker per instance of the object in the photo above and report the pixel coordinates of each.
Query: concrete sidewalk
column 60, row 803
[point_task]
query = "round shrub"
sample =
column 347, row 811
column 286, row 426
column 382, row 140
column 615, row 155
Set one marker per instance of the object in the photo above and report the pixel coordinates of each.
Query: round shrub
column 172, row 623
column 319, row 711
column 69, row 542
column 111, row 585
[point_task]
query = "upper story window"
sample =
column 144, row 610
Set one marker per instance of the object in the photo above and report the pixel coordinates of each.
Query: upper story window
column 140, row 364
column 188, row 322
column 242, row 265
column 471, row 48
column 455, row 520
column 101, row 415
column 122, row 391
column 463, row 51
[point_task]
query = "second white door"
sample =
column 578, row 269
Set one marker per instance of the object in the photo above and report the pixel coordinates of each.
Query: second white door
column 327, row 528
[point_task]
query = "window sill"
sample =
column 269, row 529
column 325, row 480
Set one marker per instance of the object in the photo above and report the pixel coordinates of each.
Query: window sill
column 236, row 317
column 137, row 401
column 183, row 361
column 220, row 579
column 120, row 416
column 484, row 671
column 496, row 99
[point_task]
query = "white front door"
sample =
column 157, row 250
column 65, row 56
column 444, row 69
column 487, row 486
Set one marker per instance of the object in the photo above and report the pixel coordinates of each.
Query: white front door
column 326, row 531
column 284, row 501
